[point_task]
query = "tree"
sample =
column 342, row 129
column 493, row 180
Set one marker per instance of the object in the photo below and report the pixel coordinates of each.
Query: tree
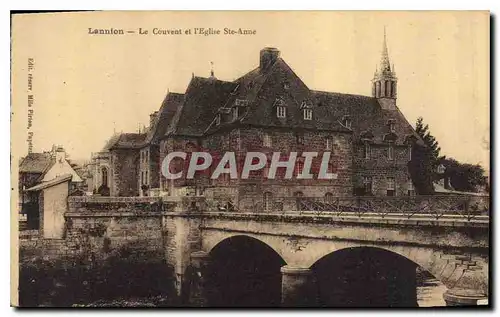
column 424, row 159
column 420, row 170
column 430, row 141
column 464, row 176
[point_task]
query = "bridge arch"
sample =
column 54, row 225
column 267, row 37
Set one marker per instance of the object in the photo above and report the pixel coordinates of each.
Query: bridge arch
column 245, row 271
column 214, row 238
column 365, row 276
column 434, row 261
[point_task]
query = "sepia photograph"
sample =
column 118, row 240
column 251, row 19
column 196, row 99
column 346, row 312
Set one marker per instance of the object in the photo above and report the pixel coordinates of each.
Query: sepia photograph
column 256, row 159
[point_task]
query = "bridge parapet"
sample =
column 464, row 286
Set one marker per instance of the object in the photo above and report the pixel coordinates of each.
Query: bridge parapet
column 438, row 206
column 86, row 204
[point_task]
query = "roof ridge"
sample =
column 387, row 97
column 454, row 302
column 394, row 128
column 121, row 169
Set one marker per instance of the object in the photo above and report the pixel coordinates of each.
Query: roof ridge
column 340, row 93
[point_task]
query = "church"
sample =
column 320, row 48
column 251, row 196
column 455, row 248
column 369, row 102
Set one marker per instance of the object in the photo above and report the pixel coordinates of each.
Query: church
column 270, row 109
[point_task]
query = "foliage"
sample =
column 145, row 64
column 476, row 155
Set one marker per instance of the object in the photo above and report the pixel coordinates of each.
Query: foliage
column 464, row 176
column 420, row 169
column 430, row 141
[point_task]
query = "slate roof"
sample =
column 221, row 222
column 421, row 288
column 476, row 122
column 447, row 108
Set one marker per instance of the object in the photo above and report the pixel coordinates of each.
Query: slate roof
column 36, row 163
column 203, row 97
column 109, row 143
column 366, row 115
column 168, row 109
column 193, row 113
column 129, row 141
column 262, row 109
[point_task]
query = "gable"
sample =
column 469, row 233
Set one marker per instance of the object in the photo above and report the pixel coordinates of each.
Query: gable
column 282, row 83
column 60, row 168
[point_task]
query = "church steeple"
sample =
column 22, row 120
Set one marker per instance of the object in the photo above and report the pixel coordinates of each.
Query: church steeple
column 384, row 83
column 385, row 64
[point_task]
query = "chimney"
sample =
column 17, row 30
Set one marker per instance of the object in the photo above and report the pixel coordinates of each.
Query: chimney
column 152, row 118
column 59, row 154
column 268, row 56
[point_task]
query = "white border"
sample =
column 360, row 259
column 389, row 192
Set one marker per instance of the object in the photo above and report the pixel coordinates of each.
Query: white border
column 493, row 5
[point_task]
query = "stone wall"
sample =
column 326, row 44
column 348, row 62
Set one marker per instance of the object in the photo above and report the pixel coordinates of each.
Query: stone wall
column 242, row 141
column 379, row 168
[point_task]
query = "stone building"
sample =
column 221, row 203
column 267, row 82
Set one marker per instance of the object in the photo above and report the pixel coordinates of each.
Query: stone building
column 41, row 168
column 270, row 109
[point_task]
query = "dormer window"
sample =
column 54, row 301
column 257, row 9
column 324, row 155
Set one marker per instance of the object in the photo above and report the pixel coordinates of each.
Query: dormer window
column 308, row 114
column 217, row 119
column 392, row 127
column 281, row 112
column 286, row 86
column 280, row 108
column 306, row 110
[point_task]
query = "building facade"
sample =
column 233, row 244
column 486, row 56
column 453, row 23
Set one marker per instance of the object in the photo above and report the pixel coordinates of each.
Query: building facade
column 270, row 109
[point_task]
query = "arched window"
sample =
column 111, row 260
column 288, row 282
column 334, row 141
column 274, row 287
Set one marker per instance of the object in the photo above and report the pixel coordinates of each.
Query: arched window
column 329, row 198
column 377, row 90
column 268, row 197
column 387, row 88
column 393, row 90
column 104, row 172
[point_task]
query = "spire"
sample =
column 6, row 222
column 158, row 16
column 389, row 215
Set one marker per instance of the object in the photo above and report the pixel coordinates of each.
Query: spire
column 385, row 65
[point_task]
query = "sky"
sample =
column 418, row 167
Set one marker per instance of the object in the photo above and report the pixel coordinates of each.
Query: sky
column 88, row 86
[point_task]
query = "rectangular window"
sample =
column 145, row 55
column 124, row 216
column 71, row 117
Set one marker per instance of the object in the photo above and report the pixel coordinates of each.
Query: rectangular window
column 392, row 127
column 391, row 186
column 347, row 123
column 241, row 102
column 367, row 184
column 411, row 189
column 409, row 153
column 147, row 180
column 235, row 113
column 300, row 139
column 367, row 151
column 266, row 140
column 281, row 112
column 308, row 114
column 142, row 178
column 390, row 153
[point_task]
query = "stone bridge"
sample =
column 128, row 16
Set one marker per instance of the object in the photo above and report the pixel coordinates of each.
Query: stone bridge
column 297, row 256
